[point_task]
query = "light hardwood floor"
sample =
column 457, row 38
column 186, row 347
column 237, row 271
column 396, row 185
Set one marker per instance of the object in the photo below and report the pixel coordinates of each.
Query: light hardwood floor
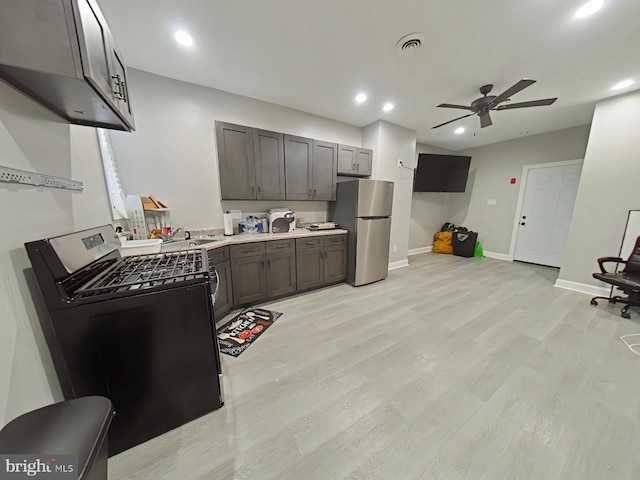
column 451, row 368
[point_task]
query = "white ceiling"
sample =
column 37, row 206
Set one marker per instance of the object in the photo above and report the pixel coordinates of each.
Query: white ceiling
column 315, row 55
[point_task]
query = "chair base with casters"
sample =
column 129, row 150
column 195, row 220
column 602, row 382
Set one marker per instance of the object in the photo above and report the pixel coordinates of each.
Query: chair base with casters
column 628, row 280
column 633, row 300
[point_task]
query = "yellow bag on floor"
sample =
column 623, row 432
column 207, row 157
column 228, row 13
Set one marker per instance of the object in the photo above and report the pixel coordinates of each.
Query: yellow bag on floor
column 442, row 242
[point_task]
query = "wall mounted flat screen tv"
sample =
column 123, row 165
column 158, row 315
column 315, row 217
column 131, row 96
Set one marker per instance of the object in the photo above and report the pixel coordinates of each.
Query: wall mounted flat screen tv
column 441, row 173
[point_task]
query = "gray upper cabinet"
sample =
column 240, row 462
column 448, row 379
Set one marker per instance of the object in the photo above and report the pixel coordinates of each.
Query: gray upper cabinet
column 236, row 161
column 364, row 161
column 346, row 160
column 268, row 150
column 250, row 162
column 67, row 62
column 324, row 169
column 354, row 161
column 298, row 157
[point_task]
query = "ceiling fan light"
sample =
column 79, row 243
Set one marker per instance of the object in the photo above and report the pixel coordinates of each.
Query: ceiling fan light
column 589, row 8
column 459, row 130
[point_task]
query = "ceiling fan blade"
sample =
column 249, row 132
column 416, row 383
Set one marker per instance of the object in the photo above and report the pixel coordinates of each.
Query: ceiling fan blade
column 521, row 85
column 485, row 119
column 449, row 105
column 451, row 121
column 532, row 103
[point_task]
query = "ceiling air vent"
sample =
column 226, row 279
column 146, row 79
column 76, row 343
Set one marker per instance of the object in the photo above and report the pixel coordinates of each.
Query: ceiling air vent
column 410, row 42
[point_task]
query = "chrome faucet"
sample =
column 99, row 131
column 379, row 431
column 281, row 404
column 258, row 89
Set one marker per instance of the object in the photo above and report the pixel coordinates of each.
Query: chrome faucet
column 170, row 237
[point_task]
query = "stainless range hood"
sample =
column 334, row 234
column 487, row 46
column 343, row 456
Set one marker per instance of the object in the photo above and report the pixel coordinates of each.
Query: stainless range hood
column 62, row 55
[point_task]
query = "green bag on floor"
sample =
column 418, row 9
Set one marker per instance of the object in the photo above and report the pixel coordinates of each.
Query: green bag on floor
column 478, row 251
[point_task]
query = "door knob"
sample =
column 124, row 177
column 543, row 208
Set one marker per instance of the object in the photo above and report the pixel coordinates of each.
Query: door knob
column 524, row 217
column 522, row 223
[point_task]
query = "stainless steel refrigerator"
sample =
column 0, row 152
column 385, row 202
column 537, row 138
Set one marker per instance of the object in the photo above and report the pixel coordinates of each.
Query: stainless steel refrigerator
column 364, row 208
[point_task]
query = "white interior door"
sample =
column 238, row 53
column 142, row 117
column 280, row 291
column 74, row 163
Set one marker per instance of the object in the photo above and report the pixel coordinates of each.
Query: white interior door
column 549, row 197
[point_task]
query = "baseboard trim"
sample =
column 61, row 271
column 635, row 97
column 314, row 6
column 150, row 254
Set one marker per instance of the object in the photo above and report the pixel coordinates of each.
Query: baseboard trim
column 418, row 251
column 497, row 256
column 399, row 264
column 582, row 287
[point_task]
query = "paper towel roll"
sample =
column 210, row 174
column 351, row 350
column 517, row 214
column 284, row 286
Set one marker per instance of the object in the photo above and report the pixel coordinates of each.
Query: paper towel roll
column 228, row 224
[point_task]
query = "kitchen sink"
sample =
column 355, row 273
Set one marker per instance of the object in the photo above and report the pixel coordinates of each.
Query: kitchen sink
column 185, row 244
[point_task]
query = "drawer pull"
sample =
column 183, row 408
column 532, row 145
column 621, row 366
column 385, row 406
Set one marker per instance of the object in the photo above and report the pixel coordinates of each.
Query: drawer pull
column 311, row 243
column 248, row 250
column 281, row 246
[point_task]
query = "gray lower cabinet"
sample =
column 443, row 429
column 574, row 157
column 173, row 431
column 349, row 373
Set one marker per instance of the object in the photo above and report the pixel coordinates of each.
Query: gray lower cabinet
column 249, row 279
column 309, row 264
column 263, row 270
column 354, row 161
column 219, row 259
column 335, row 264
column 250, row 162
column 281, row 267
column 224, row 294
column 321, row 261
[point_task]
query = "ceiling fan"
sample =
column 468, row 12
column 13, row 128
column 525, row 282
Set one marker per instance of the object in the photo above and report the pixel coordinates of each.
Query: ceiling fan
column 484, row 104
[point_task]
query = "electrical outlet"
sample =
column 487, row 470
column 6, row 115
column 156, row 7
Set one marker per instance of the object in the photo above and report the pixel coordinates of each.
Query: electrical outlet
column 395, row 248
column 399, row 163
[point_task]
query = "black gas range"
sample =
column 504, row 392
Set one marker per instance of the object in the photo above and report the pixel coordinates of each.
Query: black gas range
column 139, row 330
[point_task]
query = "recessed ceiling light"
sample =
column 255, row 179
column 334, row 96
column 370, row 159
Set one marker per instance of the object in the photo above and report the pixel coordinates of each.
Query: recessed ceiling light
column 387, row 107
column 459, row 130
column 589, row 8
column 623, row 84
column 183, row 38
column 361, row 97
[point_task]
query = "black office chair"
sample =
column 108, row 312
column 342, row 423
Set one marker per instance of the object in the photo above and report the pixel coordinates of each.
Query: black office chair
column 628, row 280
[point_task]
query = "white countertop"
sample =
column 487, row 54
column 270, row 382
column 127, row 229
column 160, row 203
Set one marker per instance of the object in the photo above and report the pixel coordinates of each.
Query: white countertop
column 218, row 241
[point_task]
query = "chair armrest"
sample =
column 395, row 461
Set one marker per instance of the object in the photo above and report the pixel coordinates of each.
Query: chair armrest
column 603, row 260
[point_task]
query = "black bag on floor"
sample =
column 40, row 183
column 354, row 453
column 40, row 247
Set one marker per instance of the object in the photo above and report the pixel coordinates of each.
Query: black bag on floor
column 464, row 243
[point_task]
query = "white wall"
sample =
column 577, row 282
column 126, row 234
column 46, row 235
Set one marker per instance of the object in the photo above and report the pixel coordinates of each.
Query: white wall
column 492, row 167
column 33, row 139
column 172, row 154
column 429, row 211
column 609, row 188
column 392, row 142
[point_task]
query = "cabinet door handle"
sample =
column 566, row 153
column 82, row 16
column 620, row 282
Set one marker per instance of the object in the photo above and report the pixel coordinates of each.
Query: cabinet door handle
column 123, row 92
column 253, row 190
column 314, row 194
column 268, row 263
column 263, row 264
column 358, row 167
column 326, row 254
column 259, row 190
column 117, row 91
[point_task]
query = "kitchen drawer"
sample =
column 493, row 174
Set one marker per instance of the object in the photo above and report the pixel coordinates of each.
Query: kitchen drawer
column 281, row 246
column 330, row 240
column 247, row 249
column 308, row 242
column 218, row 255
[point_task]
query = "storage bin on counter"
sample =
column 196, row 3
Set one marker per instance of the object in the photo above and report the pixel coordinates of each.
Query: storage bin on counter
column 464, row 243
